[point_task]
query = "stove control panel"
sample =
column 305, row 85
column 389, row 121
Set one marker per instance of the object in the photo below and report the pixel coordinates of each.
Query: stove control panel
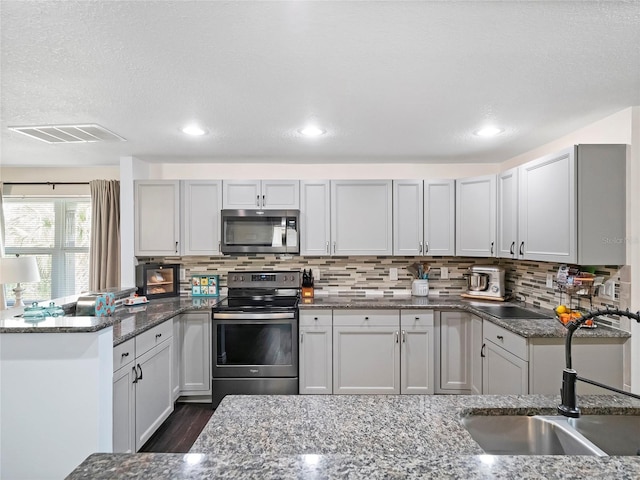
column 279, row 279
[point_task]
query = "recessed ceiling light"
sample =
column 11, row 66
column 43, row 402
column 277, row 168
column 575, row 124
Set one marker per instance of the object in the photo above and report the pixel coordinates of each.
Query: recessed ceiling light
column 488, row 132
column 193, row 130
column 312, row 131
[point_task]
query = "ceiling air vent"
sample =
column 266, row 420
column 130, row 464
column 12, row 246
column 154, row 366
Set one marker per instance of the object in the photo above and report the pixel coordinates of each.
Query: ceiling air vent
column 69, row 133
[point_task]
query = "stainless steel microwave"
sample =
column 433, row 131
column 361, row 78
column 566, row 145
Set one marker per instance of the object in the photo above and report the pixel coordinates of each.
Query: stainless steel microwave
column 260, row 231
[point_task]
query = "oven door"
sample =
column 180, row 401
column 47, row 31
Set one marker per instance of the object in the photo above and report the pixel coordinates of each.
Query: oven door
column 249, row 344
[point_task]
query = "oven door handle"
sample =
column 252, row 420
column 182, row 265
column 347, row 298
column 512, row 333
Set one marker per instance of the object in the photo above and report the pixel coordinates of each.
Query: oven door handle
column 252, row 316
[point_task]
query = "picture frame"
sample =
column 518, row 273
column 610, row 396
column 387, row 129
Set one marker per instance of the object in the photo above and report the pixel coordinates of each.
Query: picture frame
column 205, row 285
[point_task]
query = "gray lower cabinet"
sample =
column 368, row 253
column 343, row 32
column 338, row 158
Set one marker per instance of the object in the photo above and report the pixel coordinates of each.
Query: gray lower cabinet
column 316, row 352
column 124, row 398
column 142, row 387
column 416, row 352
column 477, row 354
column 453, row 352
column 195, row 354
column 505, row 368
column 366, row 351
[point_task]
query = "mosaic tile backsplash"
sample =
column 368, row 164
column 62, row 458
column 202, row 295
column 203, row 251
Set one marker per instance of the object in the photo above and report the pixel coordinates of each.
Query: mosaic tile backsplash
column 360, row 275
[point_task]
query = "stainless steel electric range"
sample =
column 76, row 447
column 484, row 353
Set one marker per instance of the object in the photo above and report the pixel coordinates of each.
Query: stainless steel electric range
column 255, row 335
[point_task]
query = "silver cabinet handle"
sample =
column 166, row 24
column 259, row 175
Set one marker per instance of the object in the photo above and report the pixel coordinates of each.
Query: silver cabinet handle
column 219, row 246
column 140, row 368
column 482, row 350
column 257, row 200
column 328, row 248
column 125, row 354
column 301, row 336
column 522, row 248
column 334, row 247
column 158, row 335
column 513, row 248
column 176, row 247
column 426, row 247
column 404, row 336
column 419, row 247
column 500, row 337
column 135, row 374
column 397, row 337
column 264, row 202
column 492, row 248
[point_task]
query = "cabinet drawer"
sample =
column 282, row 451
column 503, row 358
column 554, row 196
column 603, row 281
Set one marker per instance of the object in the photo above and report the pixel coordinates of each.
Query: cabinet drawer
column 310, row 318
column 149, row 339
column 511, row 342
column 123, row 354
column 374, row 318
column 416, row 318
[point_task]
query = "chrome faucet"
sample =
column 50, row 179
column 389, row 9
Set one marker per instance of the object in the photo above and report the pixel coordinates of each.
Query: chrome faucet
column 568, row 406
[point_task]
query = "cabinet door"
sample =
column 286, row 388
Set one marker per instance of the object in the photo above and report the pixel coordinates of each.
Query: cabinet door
column 157, row 217
column 476, row 216
column 361, row 217
column 454, row 341
column 477, row 354
column 508, row 214
column 177, row 357
column 439, row 217
column 195, row 365
column 547, row 220
column 241, row 194
column 407, row 217
column 124, row 398
column 154, row 399
column 416, row 361
column 316, row 374
column 201, row 205
column 281, row 194
column 315, row 217
column 503, row 372
column 366, row 359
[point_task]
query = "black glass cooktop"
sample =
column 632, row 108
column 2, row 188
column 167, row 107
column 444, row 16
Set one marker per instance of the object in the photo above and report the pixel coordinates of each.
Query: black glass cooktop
column 510, row 311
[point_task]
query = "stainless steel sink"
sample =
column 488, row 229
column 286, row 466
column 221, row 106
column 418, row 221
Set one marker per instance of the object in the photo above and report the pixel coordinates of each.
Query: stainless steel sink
column 522, row 435
column 511, row 311
column 615, row 434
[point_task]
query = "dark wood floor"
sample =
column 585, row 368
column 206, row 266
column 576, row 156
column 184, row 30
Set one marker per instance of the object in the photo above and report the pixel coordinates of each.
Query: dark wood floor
column 180, row 430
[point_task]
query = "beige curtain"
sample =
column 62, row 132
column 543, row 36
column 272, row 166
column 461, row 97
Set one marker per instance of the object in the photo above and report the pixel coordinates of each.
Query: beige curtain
column 104, row 253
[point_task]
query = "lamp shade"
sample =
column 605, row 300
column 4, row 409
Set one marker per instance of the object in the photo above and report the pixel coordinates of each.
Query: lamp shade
column 19, row 270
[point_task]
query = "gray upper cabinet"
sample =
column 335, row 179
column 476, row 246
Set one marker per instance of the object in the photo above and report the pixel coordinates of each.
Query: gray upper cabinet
column 361, row 217
column 201, row 204
column 476, row 216
column 439, row 217
column 157, row 217
column 315, row 217
column 508, row 214
column 602, row 204
column 547, row 208
column 408, row 217
column 261, row 194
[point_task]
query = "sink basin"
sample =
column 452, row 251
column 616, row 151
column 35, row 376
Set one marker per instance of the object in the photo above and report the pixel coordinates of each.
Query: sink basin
column 510, row 311
column 523, row 435
column 615, row 434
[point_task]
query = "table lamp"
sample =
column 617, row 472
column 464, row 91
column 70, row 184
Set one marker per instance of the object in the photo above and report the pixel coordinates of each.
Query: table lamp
column 18, row 270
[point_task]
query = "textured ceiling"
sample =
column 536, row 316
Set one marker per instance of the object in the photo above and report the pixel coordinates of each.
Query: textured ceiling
column 390, row 81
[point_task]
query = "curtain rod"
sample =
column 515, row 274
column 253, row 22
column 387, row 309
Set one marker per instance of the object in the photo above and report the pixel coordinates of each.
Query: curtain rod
column 53, row 184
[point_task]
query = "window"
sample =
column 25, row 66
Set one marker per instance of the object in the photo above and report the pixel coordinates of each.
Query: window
column 57, row 232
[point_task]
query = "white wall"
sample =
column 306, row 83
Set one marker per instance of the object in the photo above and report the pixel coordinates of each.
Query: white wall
column 313, row 171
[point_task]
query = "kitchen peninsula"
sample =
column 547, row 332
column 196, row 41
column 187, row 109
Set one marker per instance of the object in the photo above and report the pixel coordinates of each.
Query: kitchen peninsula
column 364, row 436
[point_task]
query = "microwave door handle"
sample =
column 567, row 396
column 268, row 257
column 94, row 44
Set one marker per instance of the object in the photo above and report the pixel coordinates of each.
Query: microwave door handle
column 284, row 232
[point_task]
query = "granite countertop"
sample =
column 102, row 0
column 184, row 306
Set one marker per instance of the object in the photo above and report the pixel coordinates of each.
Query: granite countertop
column 127, row 321
column 362, row 436
column 528, row 328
